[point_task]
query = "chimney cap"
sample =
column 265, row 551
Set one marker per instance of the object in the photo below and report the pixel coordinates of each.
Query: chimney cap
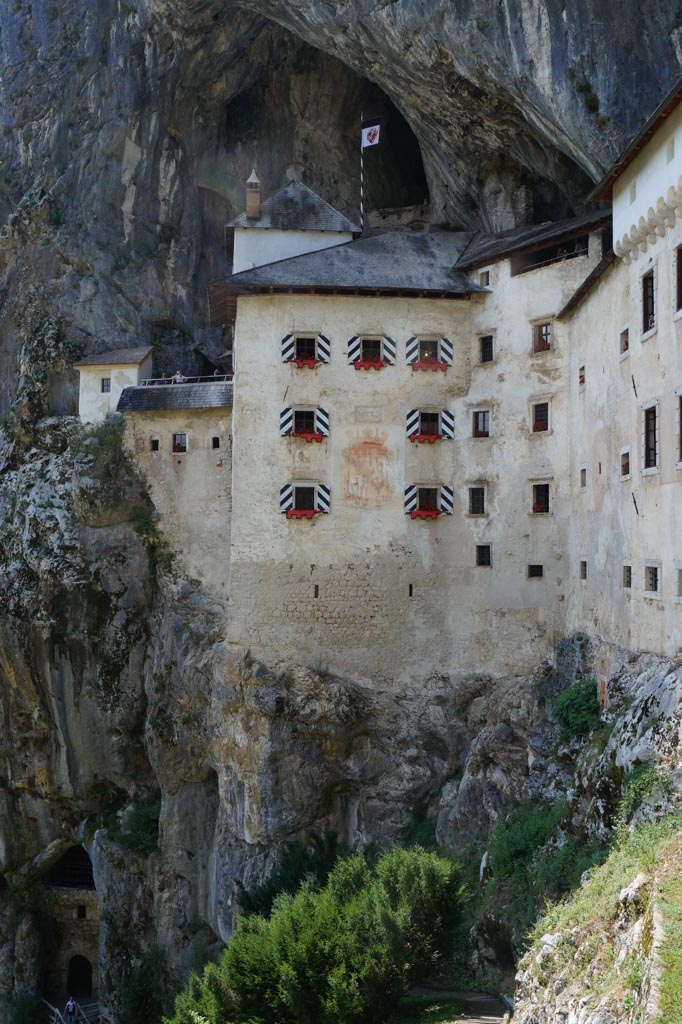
column 253, row 178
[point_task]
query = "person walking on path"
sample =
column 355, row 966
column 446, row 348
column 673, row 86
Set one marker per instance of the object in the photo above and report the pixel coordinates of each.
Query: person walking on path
column 70, row 1010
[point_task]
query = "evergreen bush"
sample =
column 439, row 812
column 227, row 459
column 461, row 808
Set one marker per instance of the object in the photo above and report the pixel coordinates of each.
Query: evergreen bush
column 140, row 832
column 309, row 861
column 576, row 710
column 347, row 952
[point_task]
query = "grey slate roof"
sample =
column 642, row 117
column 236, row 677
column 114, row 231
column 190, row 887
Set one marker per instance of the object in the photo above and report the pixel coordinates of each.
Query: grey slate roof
column 485, row 248
column 152, row 398
column 419, row 261
column 117, row 356
column 297, row 208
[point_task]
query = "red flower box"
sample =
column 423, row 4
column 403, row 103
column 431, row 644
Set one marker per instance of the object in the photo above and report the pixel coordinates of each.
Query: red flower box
column 425, row 438
column 425, row 513
column 310, row 363
column 539, row 507
column 481, row 433
column 370, row 364
column 421, row 364
column 301, row 513
column 543, row 346
column 537, row 427
column 307, row 436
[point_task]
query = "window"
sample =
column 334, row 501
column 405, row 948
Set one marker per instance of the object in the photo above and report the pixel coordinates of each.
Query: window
column 542, row 336
column 304, row 421
column 306, row 349
column 486, row 348
column 581, row 376
column 484, row 279
column 481, row 426
column 583, row 570
column 483, row 555
column 624, row 343
column 429, row 424
column 540, row 417
column 215, row 442
column 678, row 573
column 648, row 302
column 679, row 428
column 427, row 499
column 535, row 572
column 652, row 579
column 651, row 437
column 304, row 499
column 180, row 443
column 540, row 499
column 154, row 444
column 82, row 912
column 627, row 577
column 625, row 464
column 428, row 352
column 678, row 278
column 105, row 385
column 477, row 501
column 583, row 477
column 370, row 349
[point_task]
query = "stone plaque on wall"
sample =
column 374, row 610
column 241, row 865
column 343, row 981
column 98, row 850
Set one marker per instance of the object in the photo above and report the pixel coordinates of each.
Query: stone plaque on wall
column 368, row 414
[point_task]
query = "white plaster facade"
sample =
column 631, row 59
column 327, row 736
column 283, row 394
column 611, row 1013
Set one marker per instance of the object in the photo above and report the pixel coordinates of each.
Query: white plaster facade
column 253, row 247
column 96, row 398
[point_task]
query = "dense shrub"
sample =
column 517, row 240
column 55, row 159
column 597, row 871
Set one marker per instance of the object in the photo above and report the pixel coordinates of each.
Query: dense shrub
column 140, row 832
column 28, row 1009
column 640, row 784
column 310, row 861
column 104, row 442
column 576, row 709
column 347, row 952
column 144, row 994
column 514, row 840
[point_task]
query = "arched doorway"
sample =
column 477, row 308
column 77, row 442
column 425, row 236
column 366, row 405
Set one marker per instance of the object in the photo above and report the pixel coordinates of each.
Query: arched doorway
column 80, row 977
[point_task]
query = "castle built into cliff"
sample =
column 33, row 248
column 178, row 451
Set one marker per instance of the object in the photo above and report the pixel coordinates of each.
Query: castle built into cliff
column 441, row 448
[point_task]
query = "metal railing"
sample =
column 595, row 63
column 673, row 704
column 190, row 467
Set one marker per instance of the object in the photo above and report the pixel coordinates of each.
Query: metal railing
column 559, row 258
column 88, row 1013
column 218, row 378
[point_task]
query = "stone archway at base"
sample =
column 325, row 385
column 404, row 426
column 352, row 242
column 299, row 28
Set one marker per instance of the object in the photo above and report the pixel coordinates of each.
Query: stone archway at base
column 80, row 977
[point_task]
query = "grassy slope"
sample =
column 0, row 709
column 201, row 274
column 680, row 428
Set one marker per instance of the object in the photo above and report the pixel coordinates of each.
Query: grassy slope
column 671, row 951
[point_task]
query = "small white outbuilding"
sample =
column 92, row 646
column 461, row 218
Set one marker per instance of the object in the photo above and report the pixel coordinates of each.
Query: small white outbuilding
column 103, row 377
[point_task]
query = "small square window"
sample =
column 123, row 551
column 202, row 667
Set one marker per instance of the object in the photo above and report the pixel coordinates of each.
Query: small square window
column 105, row 385
column 535, row 572
column 542, row 336
column 304, row 421
column 215, row 442
column 477, row 501
column 154, row 444
column 583, row 477
column 583, row 570
column 648, row 302
column 371, row 350
column 540, row 499
column 82, row 912
column 427, row 499
column 481, row 426
column 484, row 279
column 581, row 376
column 652, row 579
column 624, row 341
column 487, row 351
column 180, row 443
column 541, row 417
column 429, row 351
column 627, row 577
column 304, row 499
column 306, row 348
column 483, row 555
column 625, row 464
column 429, row 424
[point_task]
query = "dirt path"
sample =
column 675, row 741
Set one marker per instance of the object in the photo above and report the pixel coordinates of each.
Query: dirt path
column 479, row 1008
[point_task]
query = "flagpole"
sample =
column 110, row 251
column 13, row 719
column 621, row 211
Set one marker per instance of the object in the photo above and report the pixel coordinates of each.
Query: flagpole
column 362, row 179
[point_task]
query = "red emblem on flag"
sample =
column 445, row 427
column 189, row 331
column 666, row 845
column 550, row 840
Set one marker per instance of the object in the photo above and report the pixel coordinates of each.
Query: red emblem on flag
column 372, row 135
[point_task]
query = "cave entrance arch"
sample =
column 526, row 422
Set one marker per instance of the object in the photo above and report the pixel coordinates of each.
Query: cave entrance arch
column 79, row 978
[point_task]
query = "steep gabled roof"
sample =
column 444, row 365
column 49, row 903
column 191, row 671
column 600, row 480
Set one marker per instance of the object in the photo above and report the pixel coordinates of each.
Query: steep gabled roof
column 488, row 248
column 419, row 261
column 297, row 208
column 116, row 357
column 152, row 398
column 603, row 190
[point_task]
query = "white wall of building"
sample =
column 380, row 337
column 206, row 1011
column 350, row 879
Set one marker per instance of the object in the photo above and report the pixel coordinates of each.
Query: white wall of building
column 366, row 554
column 94, row 404
column 254, row 247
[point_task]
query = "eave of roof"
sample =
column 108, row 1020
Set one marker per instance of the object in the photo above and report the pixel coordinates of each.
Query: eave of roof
column 116, row 357
column 491, row 248
column 588, row 284
column 602, row 192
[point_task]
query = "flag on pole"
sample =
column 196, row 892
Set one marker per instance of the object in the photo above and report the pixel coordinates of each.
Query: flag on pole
column 370, row 133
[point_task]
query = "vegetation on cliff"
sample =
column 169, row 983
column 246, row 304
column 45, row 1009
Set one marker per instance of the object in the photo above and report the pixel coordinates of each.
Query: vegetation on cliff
column 347, row 951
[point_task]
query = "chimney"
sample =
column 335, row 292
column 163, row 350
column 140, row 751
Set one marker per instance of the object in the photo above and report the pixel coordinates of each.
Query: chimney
column 253, row 197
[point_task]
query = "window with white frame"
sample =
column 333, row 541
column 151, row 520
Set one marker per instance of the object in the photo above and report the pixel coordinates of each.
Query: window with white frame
column 179, row 444
column 625, row 472
column 542, row 336
column 105, row 385
column 540, row 499
column 624, row 342
column 481, row 423
column 650, row 438
column 627, row 577
column 540, row 417
column 484, row 279
column 648, row 301
column 652, row 579
column 486, row 352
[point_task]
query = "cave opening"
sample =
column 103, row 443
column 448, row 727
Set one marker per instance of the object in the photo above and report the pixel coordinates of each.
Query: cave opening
column 79, row 978
column 73, row 871
column 70, row 929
